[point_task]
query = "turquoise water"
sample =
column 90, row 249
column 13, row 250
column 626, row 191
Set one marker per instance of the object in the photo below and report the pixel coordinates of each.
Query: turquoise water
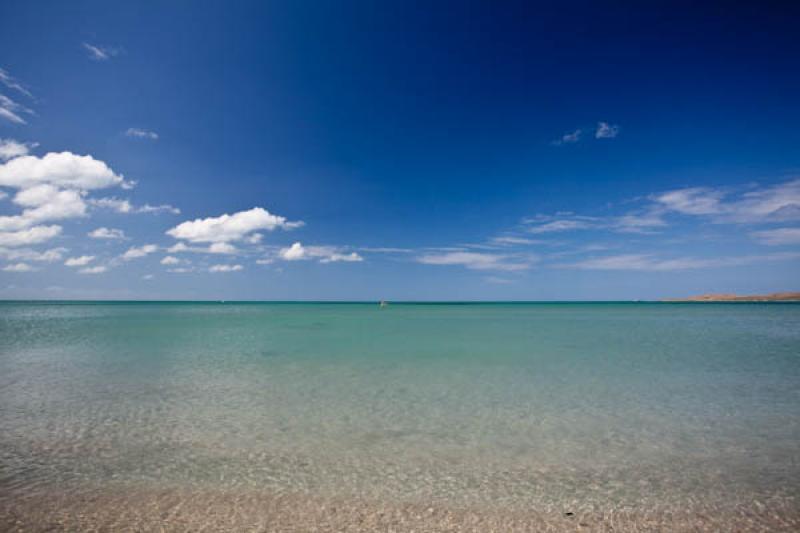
column 504, row 405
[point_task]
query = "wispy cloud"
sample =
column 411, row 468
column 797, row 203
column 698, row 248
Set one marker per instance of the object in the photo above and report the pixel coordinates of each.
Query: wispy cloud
column 100, row 53
column 99, row 269
column 126, row 207
column 568, row 138
column 606, row 131
column 478, row 261
column 13, row 111
column 27, row 254
column 652, row 263
column 225, row 268
column 139, row 133
column 9, row 81
column 774, row 203
column 777, row 237
column 19, row 267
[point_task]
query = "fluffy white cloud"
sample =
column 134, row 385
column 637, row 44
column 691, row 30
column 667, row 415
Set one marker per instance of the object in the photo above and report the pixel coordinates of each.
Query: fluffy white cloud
column 18, row 267
column 99, row 269
column 107, row 233
column 225, row 268
column 230, row 228
column 606, row 131
column 9, row 149
column 295, row 252
column 170, row 260
column 142, row 134
column 26, row 237
column 43, row 203
column 325, row 254
column 222, row 248
column 778, row 237
column 26, row 254
column 79, row 261
column 64, row 170
column 141, row 251
column 477, row 261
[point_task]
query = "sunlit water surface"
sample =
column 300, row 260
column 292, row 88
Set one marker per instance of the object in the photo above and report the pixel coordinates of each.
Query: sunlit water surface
column 503, row 406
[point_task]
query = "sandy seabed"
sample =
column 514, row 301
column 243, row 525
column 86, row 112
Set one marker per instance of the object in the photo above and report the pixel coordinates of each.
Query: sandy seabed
column 135, row 509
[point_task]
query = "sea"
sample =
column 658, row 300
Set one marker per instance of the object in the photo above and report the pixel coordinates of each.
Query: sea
column 132, row 415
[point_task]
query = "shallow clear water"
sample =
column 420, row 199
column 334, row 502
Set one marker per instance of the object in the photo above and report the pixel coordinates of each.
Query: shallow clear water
column 504, row 405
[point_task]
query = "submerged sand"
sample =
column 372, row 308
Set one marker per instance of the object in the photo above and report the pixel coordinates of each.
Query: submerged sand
column 140, row 509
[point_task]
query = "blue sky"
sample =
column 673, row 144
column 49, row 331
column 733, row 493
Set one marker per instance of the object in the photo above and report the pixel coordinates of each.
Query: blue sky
column 365, row 150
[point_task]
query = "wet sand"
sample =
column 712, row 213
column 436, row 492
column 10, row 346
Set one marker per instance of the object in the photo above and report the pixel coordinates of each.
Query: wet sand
column 139, row 509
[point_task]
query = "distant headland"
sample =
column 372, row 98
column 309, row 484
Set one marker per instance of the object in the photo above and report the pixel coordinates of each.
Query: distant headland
column 773, row 297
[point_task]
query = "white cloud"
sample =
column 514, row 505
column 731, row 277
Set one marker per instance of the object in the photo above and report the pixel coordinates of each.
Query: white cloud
column 147, row 277
column 650, row 263
column 141, row 251
column 222, row 248
column 777, row 237
column 126, row 207
column 561, row 225
column 606, row 131
column 180, row 270
column 79, row 261
column 12, row 110
column 692, row 201
column 18, row 267
column 170, row 260
column 178, row 248
column 478, row 261
column 511, row 240
column 352, row 257
column 142, row 134
column 325, row 254
column 295, row 252
column 775, row 203
column 26, row 254
column 100, row 53
column 64, row 169
column 225, row 268
column 43, row 203
column 9, row 81
column 569, row 138
column 230, row 228
column 29, row 236
column 9, row 149
column 99, row 269
column 107, row 233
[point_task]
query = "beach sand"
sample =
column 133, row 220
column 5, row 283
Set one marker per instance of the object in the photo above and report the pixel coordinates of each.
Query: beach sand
column 131, row 509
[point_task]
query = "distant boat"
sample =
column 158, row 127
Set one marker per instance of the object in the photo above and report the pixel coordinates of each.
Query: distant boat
column 384, row 303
